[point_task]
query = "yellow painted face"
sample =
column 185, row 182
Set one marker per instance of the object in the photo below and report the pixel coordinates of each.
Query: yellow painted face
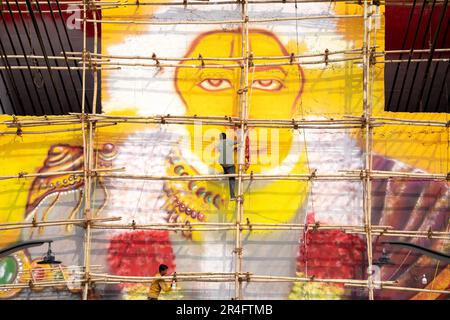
column 273, row 93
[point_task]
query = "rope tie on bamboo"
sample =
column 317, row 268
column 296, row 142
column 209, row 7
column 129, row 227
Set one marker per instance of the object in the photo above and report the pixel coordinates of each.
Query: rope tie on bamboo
column 237, row 251
column 21, row 174
column 19, row 131
column 383, row 231
column 361, row 174
column 448, row 176
column 33, row 221
column 249, row 224
column 430, row 233
column 291, row 59
column 372, row 59
column 188, row 225
column 316, row 226
column 250, row 61
column 156, row 60
column 242, row 90
column 313, row 174
column 200, row 57
column 326, row 57
column 294, row 124
column 133, row 225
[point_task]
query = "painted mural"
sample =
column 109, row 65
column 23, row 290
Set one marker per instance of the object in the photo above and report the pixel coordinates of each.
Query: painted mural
column 306, row 91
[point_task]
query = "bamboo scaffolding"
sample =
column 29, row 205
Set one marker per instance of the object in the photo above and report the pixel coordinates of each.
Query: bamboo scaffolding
column 55, row 173
column 156, row 57
column 67, row 11
column 90, row 121
column 222, row 66
column 347, row 122
column 376, row 230
column 55, row 68
column 216, row 120
column 244, row 277
column 411, row 60
column 367, row 190
column 52, row 223
column 360, row 175
column 87, row 154
column 33, row 56
column 22, row 132
column 211, row 22
column 225, row 2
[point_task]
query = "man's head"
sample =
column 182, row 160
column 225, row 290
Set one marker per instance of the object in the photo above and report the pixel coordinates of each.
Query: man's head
column 163, row 269
column 223, row 136
column 273, row 93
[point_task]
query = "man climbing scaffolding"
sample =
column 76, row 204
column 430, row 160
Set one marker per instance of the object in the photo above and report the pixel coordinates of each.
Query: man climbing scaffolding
column 160, row 284
column 226, row 160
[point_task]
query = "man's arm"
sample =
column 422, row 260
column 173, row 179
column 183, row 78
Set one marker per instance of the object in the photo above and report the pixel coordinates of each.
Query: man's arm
column 164, row 286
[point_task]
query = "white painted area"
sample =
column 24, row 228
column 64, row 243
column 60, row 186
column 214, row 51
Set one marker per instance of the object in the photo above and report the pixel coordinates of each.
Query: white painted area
column 151, row 92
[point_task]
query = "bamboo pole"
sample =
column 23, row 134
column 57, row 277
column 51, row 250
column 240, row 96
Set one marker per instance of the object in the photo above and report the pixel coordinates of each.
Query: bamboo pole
column 62, row 10
column 305, row 177
column 86, row 164
column 221, row 120
column 284, row 57
column 376, row 230
column 212, row 22
column 221, row 66
column 55, row 173
column 90, row 146
column 225, row 2
column 54, row 68
column 367, row 203
column 51, row 223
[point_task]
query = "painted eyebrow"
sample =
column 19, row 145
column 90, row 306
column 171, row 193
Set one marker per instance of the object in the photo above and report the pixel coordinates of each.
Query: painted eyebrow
column 268, row 68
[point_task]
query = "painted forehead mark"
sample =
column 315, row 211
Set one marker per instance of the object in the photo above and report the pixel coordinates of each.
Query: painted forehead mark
column 268, row 68
column 231, row 48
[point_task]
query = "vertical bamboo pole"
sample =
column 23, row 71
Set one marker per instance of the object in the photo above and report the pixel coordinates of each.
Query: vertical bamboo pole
column 367, row 189
column 87, row 151
column 243, row 99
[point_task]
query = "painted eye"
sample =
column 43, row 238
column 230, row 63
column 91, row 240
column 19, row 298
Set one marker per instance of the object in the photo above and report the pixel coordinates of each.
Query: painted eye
column 267, row 84
column 215, row 84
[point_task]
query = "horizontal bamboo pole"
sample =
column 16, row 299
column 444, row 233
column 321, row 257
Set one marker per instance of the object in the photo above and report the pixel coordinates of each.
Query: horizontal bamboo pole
column 32, row 56
column 91, row 2
column 214, row 120
column 155, row 57
column 358, row 175
column 219, row 277
column 62, row 10
column 411, row 60
column 225, row 2
column 410, row 235
column 55, row 68
column 388, row 287
column 21, row 132
column 378, row 230
column 52, row 223
column 415, row 51
column 57, row 173
column 219, row 66
column 207, row 22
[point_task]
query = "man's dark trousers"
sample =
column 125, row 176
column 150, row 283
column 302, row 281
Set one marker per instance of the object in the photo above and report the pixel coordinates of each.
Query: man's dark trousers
column 230, row 169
